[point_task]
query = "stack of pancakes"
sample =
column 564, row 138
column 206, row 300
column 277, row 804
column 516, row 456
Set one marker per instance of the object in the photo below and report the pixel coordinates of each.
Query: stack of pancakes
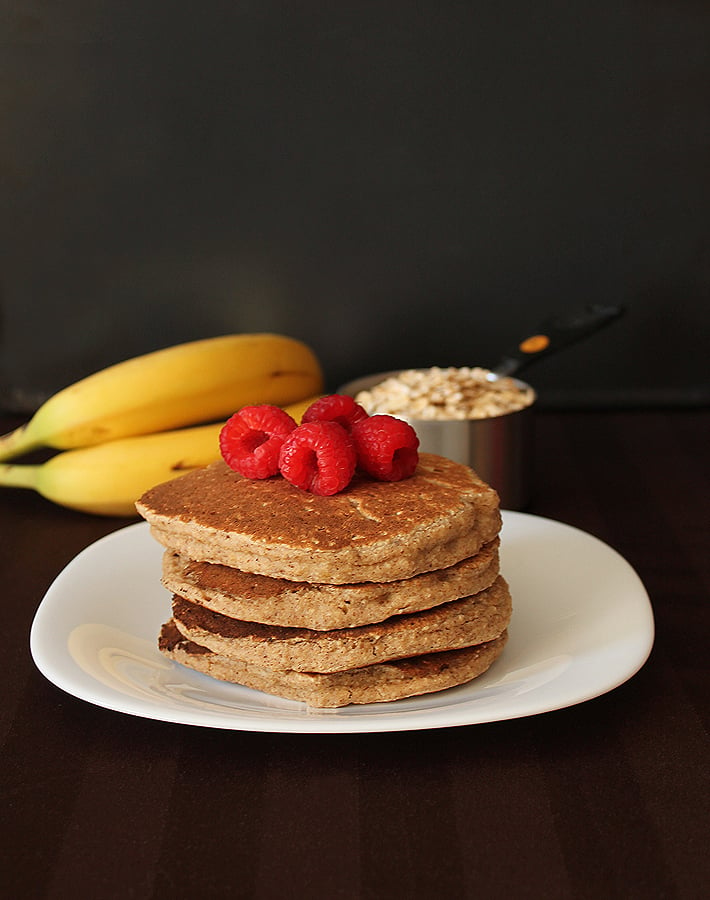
column 384, row 591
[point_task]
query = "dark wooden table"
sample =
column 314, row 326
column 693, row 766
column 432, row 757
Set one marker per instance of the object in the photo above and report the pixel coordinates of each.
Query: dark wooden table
column 606, row 799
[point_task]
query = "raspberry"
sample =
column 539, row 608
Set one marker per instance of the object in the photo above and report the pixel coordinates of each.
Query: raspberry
column 251, row 439
column 318, row 457
column 338, row 408
column 386, row 447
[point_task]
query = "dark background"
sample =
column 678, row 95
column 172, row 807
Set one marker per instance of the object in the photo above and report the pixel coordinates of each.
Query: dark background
column 397, row 183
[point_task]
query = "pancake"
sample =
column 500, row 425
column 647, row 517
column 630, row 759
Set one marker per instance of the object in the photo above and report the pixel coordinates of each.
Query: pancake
column 322, row 607
column 372, row 531
column 377, row 683
column 459, row 623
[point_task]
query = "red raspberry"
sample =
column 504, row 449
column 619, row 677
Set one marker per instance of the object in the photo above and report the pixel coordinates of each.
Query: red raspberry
column 318, row 457
column 386, row 447
column 338, row 408
column 251, row 439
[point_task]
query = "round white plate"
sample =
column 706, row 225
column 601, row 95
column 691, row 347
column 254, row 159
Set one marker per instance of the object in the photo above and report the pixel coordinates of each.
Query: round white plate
column 582, row 625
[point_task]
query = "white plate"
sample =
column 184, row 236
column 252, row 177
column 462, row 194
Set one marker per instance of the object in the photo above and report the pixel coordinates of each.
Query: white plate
column 582, row 625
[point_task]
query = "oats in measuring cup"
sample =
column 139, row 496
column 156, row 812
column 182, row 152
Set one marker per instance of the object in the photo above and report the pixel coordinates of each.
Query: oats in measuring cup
column 446, row 393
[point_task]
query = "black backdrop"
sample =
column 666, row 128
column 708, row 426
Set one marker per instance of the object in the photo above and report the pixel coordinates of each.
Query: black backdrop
column 397, row 183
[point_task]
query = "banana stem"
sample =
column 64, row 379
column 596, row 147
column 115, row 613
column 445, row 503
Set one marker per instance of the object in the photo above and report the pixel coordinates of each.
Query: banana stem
column 16, row 442
column 18, row 476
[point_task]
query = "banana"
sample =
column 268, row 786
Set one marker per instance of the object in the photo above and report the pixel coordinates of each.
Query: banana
column 200, row 381
column 296, row 410
column 108, row 478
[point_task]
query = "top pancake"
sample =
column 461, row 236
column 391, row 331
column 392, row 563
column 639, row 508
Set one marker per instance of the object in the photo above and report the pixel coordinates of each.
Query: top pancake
column 371, row 531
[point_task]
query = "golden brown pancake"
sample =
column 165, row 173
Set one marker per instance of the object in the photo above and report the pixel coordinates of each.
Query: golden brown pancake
column 372, row 531
column 293, row 604
column 460, row 623
column 370, row 684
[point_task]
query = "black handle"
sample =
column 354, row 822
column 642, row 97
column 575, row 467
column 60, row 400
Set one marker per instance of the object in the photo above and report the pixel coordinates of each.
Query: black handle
column 555, row 333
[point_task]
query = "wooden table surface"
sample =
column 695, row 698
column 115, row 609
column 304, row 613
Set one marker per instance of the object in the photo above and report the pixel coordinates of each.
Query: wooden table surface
column 604, row 799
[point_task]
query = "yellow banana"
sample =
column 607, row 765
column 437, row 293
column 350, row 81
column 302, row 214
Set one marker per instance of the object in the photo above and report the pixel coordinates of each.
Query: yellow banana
column 296, row 410
column 108, row 478
column 200, row 381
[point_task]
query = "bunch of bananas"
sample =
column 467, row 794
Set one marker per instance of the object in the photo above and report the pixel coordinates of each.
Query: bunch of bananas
column 136, row 424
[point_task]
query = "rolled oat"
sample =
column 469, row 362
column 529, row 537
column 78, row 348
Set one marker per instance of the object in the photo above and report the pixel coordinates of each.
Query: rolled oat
column 446, row 393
